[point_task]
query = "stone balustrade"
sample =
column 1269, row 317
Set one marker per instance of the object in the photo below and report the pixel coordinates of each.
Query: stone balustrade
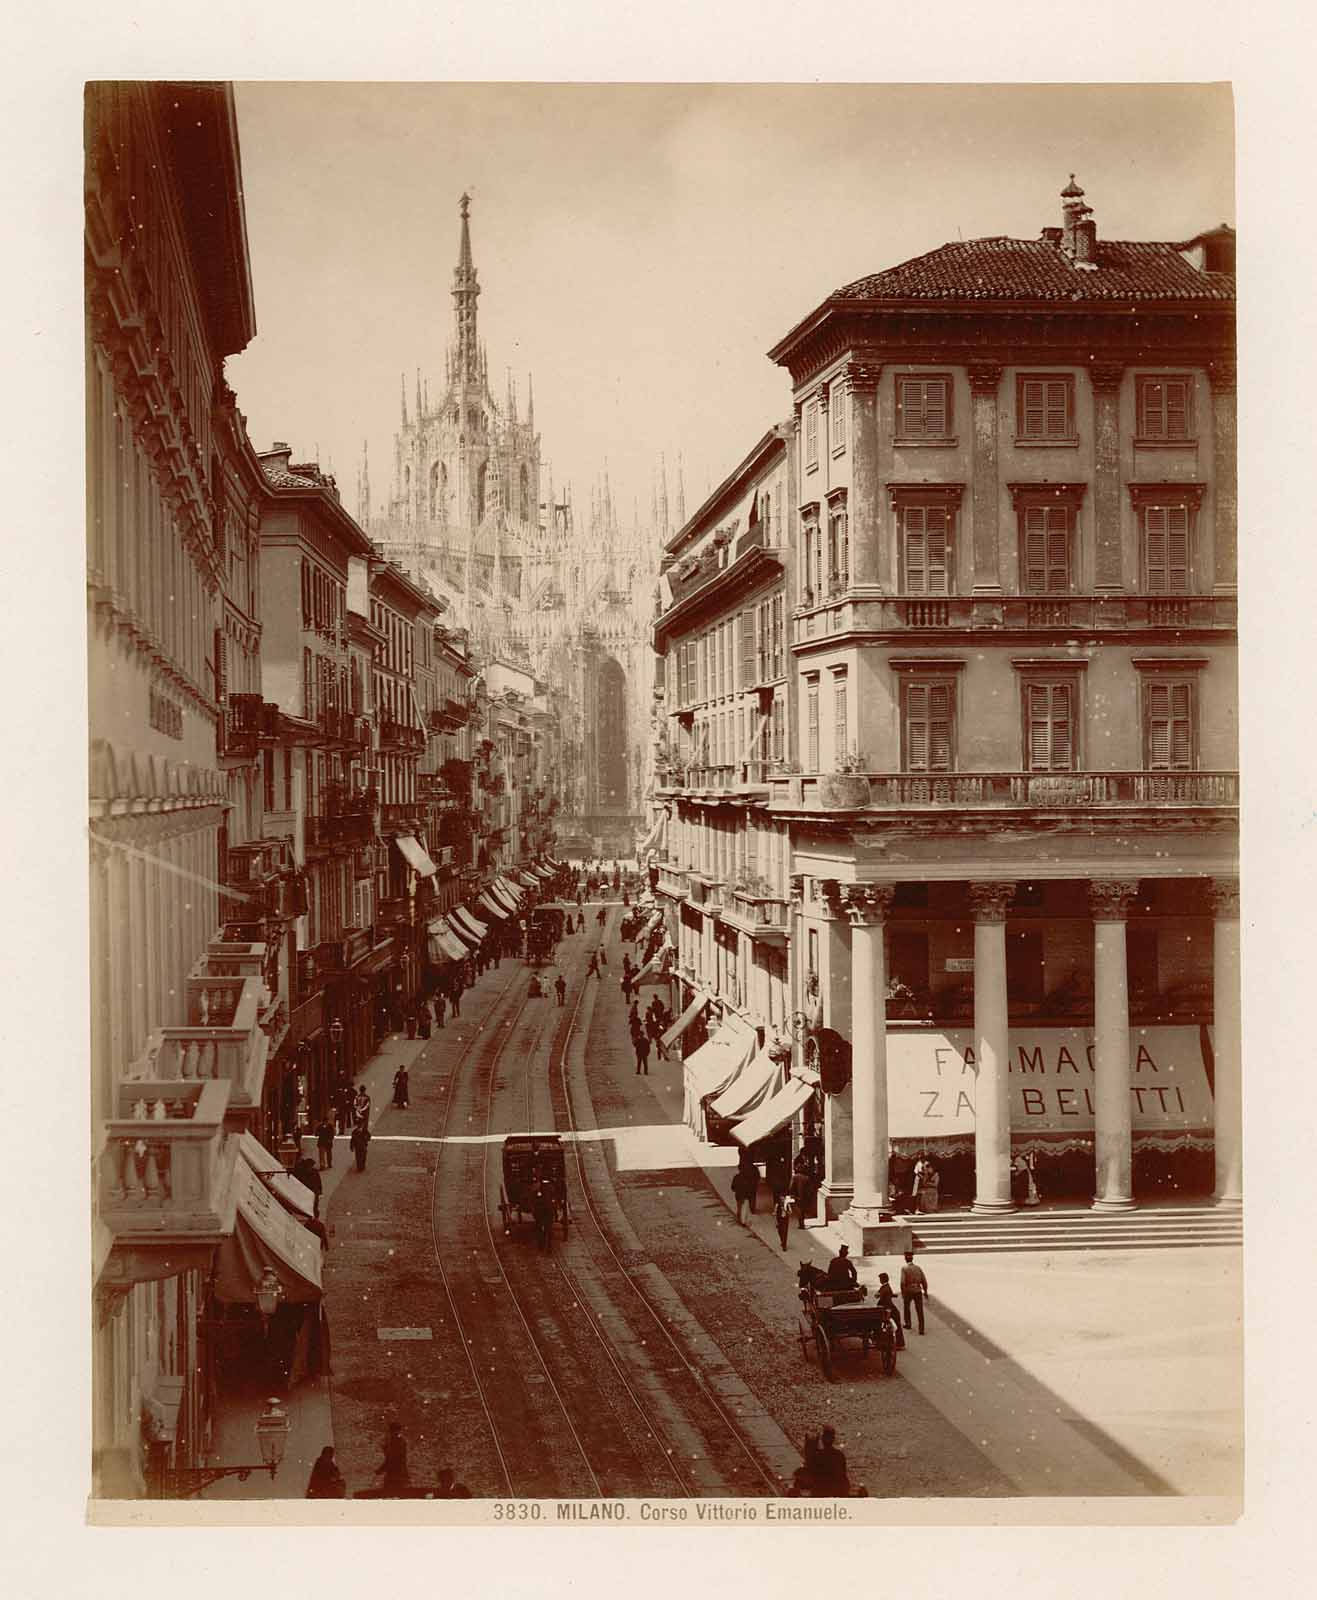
column 166, row 1162
column 1022, row 790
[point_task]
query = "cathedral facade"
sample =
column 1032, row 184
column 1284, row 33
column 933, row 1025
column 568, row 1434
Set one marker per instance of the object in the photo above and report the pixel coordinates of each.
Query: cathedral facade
column 472, row 512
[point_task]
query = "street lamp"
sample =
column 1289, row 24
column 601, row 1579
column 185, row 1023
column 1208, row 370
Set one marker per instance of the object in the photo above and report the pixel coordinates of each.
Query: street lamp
column 336, row 1045
column 272, row 1428
column 269, row 1292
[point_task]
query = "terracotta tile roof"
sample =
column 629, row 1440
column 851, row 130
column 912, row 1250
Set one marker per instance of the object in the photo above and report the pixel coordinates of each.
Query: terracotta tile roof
column 1035, row 269
column 283, row 479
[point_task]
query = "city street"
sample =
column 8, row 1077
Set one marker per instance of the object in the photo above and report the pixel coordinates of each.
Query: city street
column 654, row 1351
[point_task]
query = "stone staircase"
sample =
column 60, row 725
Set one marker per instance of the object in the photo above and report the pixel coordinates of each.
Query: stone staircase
column 1149, row 1227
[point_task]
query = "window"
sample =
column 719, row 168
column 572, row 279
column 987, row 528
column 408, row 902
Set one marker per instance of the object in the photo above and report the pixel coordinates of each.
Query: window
column 809, row 555
column 1045, row 409
column 840, row 729
column 1168, row 724
column 1165, row 549
column 811, row 435
column 839, row 554
column 779, row 644
column 1049, row 724
column 923, row 409
column 779, row 729
column 1045, row 550
column 748, row 626
column 838, row 414
column 812, row 723
column 928, row 724
column 925, row 548
column 1165, row 410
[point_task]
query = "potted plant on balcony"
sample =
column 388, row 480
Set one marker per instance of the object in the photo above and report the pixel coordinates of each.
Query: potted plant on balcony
column 846, row 787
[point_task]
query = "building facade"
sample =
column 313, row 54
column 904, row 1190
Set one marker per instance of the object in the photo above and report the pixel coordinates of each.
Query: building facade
column 1013, row 792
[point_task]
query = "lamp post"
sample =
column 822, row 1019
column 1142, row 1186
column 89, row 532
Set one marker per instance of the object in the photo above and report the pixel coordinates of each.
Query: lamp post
column 272, row 1428
column 336, row 1045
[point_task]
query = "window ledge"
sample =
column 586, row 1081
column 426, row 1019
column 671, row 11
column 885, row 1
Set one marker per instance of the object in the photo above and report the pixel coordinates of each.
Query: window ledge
column 949, row 443
column 1047, row 444
column 1166, row 444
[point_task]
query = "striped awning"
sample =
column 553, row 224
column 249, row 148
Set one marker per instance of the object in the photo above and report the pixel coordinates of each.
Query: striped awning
column 444, row 944
column 488, row 902
column 684, row 1020
column 468, row 926
column 774, row 1113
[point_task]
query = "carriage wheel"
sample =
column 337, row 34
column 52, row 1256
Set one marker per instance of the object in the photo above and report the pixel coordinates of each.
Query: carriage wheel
column 889, row 1358
column 825, row 1351
column 805, row 1333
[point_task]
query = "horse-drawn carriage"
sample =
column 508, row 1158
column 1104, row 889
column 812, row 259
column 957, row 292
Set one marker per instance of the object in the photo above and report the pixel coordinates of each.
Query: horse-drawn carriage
column 546, row 926
column 534, row 1184
column 829, row 1315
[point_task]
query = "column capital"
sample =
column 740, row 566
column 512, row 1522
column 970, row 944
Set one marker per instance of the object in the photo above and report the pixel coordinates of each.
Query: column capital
column 863, row 375
column 796, row 412
column 1106, row 377
column 869, row 902
column 990, row 900
column 820, row 396
column 984, row 377
column 1224, row 895
column 833, row 893
column 1222, row 375
column 1109, row 899
column 796, row 890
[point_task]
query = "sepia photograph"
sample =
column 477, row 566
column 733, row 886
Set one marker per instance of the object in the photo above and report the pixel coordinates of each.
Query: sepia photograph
column 664, row 790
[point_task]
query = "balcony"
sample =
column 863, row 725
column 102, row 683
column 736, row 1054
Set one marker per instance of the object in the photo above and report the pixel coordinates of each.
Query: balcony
column 389, row 913
column 705, row 891
column 400, row 735
column 1002, row 790
column 1104, row 615
column 759, row 913
column 405, row 814
column 247, row 721
column 672, row 882
column 164, row 1175
column 329, row 833
column 230, row 1047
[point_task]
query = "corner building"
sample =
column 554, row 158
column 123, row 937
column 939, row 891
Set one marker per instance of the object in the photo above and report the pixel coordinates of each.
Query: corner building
column 1014, row 809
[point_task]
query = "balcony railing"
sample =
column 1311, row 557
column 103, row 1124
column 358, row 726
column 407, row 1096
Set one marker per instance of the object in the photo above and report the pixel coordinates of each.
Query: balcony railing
column 400, row 735
column 338, row 832
column 1026, row 613
column 755, row 910
column 400, row 814
column 1024, row 790
column 248, row 719
column 232, row 1051
column 165, row 1167
column 672, row 881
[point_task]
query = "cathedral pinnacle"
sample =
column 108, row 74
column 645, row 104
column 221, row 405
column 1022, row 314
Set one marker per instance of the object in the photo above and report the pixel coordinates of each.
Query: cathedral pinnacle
column 466, row 290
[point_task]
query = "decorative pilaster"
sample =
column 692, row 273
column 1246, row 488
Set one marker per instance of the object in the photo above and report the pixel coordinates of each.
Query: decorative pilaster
column 1221, row 376
column 870, row 559
column 835, row 897
column 867, row 907
column 1228, row 1122
column 1109, row 902
column 1109, row 561
column 984, row 380
column 992, row 1106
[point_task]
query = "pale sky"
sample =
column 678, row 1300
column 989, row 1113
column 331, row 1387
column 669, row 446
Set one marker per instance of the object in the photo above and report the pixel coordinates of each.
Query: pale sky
column 640, row 247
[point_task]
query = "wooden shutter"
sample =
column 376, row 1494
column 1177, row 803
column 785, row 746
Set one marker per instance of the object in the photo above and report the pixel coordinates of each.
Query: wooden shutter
column 922, row 408
column 812, row 698
column 1164, row 408
column 1050, row 718
column 1166, row 549
column 928, row 711
column 1032, row 407
column 1058, row 409
column 1169, row 726
column 748, row 629
column 1046, row 550
column 927, row 549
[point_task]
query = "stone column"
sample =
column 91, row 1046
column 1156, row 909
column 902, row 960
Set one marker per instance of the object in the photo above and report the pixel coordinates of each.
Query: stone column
column 1109, row 903
column 1225, row 493
column 870, row 561
column 822, row 397
column 1109, row 567
column 868, row 907
column 992, row 1105
column 1228, row 1122
column 984, row 378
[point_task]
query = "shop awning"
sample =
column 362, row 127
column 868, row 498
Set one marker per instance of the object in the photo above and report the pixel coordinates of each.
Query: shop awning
column 654, row 837
column 645, row 901
column 489, row 904
column 265, row 1235
column 750, row 1088
column 444, row 943
column 414, row 855
column 467, row 925
column 512, row 890
column 774, row 1113
column 684, row 1020
column 503, row 894
column 931, row 1081
column 558, row 866
column 712, row 1067
column 542, row 873
column 526, row 881
column 294, row 1194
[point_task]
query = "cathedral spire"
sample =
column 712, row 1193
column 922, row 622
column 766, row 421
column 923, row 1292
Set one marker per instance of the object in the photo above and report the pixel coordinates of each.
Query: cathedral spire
column 681, row 495
column 363, row 486
column 530, row 401
column 402, row 384
column 420, row 411
column 466, row 290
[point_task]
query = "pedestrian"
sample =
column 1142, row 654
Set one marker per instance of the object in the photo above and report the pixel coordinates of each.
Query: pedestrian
column 642, row 1053
column 592, row 966
column 560, row 984
column 580, row 922
column 626, row 985
column 394, row 1462
column 423, row 1021
column 778, row 1173
column 601, row 916
column 745, row 1185
column 306, row 1172
column 914, row 1288
column 326, row 1481
column 782, row 1204
column 360, row 1143
column 830, row 1475
column 633, row 1019
column 401, row 1087
column 456, row 998
column 325, row 1143
column 655, row 1030
column 440, row 1006
column 603, row 956
column 361, row 1105
column 541, row 1209
column 885, row 1295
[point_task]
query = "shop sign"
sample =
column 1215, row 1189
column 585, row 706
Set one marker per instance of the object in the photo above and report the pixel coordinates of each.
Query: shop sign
column 932, row 1076
column 960, row 963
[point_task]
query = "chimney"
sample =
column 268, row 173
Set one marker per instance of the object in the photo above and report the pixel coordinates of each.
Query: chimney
column 1086, row 243
column 277, row 456
column 1051, row 236
column 1073, row 213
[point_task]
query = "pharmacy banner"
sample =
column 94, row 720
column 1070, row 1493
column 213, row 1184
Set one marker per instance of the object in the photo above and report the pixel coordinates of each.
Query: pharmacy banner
column 931, row 1079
